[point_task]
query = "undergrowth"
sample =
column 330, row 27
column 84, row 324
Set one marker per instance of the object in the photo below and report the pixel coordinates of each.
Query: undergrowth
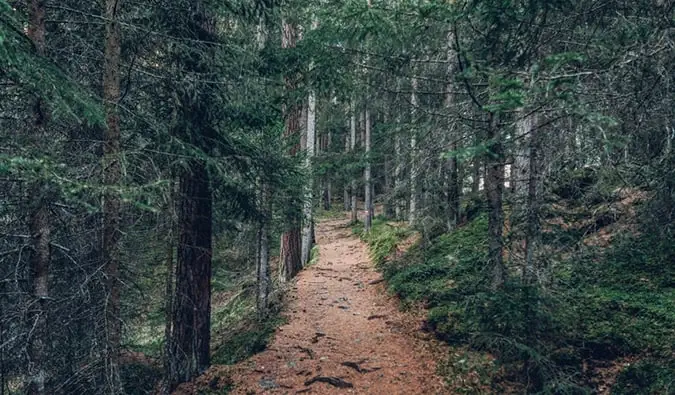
column 602, row 305
column 382, row 239
column 236, row 333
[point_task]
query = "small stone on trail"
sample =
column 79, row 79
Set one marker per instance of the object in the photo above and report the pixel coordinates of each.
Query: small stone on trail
column 267, row 384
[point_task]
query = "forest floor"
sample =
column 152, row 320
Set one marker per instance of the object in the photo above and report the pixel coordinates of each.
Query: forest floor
column 343, row 334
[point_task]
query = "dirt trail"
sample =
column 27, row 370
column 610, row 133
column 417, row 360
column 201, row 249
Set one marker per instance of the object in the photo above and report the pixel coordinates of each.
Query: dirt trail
column 342, row 328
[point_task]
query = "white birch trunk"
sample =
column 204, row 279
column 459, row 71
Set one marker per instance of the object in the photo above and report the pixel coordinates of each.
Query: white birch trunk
column 367, row 176
column 352, row 127
column 306, row 241
column 346, row 197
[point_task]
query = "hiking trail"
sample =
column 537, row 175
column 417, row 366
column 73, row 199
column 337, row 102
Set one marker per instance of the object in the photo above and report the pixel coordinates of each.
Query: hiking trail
column 344, row 334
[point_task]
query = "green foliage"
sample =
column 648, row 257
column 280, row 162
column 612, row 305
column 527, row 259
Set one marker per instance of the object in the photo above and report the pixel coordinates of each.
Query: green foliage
column 468, row 372
column 382, row 239
column 20, row 62
column 452, row 264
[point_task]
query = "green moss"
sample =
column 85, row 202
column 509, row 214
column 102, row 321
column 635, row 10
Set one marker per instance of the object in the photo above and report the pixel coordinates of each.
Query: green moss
column 624, row 295
column 646, row 377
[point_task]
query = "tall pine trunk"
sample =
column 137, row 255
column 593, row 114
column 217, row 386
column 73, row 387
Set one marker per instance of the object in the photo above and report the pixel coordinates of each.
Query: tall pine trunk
column 453, row 188
column 191, row 315
column 414, row 166
column 112, row 173
column 345, row 198
column 367, row 175
column 398, row 177
column 520, row 178
column 40, row 226
column 352, row 131
column 290, row 261
column 532, row 230
column 191, row 323
column 264, row 283
column 494, row 189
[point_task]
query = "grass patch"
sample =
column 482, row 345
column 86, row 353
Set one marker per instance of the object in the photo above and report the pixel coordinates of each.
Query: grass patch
column 313, row 256
column 382, row 239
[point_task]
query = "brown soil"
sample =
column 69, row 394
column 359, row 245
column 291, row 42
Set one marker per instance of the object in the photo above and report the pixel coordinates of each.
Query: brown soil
column 344, row 334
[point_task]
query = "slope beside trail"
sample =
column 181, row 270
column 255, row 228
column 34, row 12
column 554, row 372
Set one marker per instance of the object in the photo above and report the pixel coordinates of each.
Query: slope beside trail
column 344, row 334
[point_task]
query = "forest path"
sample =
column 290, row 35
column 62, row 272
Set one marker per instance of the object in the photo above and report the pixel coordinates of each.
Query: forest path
column 342, row 328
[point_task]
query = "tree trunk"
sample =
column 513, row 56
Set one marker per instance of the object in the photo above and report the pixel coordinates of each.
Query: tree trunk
column 112, row 173
column 532, row 232
column 191, row 330
column 520, row 178
column 398, row 177
column 367, row 176
column 414, row 171
column 494, row 188
column 476, row 175
column 263, row 255
column 345, row 199
column 169, row 293
column 352, row 128
column 453, row 191
column 328, row 186
column 306, row 244
column 290, row 260
column 39, row 225
column 40, row 257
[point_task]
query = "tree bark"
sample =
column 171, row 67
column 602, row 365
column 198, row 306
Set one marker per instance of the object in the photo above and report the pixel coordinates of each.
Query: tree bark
column 112, row 173
column 398, row 177
column 263, row 255
column 453, row 189
column 352, row 130
column 494, row 189
column 367, row 175
column 191, row 323
column 39, row 225
column 476, row 170
column 306, row 245
column 346, row 197
column 520, row 179
column 327, row 184
column 290, row 260
column 191, row 316
column 414, row 170
column 532, row 232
